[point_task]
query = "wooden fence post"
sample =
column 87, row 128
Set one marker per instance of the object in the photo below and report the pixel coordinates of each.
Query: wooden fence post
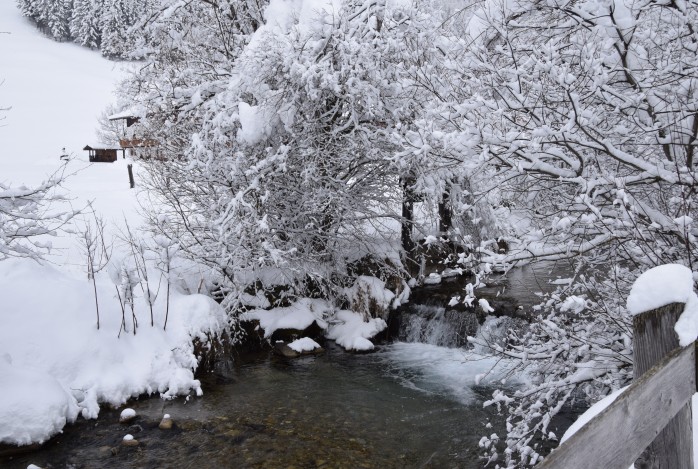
column 131, row 182
column 653, row 338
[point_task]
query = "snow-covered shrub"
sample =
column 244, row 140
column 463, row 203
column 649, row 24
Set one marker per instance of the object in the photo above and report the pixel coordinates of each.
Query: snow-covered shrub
column 578, row 349
column 369, row 297
column 29, row 216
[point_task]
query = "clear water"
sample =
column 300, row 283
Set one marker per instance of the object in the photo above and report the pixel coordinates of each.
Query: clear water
column 380, row 410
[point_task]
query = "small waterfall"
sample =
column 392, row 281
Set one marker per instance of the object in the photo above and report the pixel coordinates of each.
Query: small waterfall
column 437, row 325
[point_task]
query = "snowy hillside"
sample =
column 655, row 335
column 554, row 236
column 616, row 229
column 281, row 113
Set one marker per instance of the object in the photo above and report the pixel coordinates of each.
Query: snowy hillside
column 55, row 92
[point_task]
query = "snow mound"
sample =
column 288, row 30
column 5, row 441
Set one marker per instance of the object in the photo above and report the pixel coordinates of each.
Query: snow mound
column 304, row 344
column 127, row 414
column 352, row 332
column 299, row 315
column 432, row 279
column 49, row 335
column 34, row 406
column 367, row 290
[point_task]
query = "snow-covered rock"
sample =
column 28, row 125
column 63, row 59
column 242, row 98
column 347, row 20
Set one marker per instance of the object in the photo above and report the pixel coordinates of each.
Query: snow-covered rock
column 369, row 296
column 352, row 332
column 299, row 316
column 304, row 344
column 127, row 415
column 432, row 279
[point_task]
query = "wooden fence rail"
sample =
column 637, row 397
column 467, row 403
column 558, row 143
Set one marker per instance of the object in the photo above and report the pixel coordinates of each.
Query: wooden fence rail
column 650, row 423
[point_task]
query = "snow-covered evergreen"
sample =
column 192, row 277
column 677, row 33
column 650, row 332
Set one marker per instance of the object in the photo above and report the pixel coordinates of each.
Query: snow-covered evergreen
column 103, row 24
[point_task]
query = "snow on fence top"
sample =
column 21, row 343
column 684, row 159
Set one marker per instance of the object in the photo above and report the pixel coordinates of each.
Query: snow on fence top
column 663, row 285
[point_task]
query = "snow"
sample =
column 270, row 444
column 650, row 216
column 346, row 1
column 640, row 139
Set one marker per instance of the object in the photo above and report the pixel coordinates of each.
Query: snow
column 366, row 287
column 34, row 405
column 347, row 328
column 660, row 286
column 60, row 349
column 573, row 303
column 127, row 413
column 485, row 305
column 128, row 437
column 305, row 15
column 54, row 362
column 254, row 127
column 56, row 92
column 352, row 331
column 299, row 315
column 663, row 285
column 304, row 344
column 687, row 325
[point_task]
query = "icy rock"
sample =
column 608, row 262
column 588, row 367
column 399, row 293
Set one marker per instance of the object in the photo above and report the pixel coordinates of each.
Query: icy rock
column 297, row 348
column 127, row 415
column 166, row 422
column 305, row 345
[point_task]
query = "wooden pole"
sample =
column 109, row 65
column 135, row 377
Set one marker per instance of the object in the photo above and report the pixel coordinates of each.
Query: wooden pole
column 654, row 338
column 130, row 176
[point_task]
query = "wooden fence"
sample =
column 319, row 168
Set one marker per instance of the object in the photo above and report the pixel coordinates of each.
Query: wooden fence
column 650, row 423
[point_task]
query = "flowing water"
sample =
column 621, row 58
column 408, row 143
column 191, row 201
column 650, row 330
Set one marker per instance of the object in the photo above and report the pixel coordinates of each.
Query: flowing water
column 413, row 403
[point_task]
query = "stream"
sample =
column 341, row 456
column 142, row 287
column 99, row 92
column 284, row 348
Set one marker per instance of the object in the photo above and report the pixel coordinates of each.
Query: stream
column 412, row 403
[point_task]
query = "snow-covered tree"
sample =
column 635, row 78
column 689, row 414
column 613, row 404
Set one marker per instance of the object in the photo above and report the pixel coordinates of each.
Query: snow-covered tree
column 58, row 20
column 283, row 131
column 29, row 216
column 584, row 116
column 106, row 24
column 85, row 27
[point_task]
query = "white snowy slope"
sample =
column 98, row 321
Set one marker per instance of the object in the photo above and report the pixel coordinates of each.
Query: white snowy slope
column 54, row 363
column 55, row 92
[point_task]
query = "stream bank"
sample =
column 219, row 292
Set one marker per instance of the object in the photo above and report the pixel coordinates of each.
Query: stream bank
column 412, row 403
column 334, row 410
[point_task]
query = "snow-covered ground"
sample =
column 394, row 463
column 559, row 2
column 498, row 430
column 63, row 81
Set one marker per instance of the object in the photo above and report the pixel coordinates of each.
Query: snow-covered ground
column 54, row 363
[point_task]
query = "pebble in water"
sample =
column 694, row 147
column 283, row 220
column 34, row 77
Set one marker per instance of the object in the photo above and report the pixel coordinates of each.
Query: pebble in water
column 129, row 440
column 166, row 422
